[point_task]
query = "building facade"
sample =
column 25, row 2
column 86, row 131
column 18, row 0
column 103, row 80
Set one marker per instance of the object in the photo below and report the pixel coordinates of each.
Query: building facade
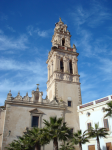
column 94, row 112
column 63, row 93
column 63, row 97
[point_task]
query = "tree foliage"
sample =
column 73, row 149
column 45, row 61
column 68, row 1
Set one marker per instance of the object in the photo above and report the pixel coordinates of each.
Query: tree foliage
column 109, row 109
column 97, row 132
column 57, row 130
column 67, row 146
column 54, row 130
column 80, row 138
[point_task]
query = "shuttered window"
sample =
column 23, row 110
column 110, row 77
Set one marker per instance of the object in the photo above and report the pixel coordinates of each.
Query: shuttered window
column 108, row 146
column 89, row 125
column 106, row 124
column 91, row 147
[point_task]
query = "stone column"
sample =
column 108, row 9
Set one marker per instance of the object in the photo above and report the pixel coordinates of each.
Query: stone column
column 40, row 97
column 58, row 63
column 66, row 64
column 33, row 98
column 68, row 67
column 52, row 67
column 55, row 63
column 73, row 67
column 75, row 70
column 48, row 72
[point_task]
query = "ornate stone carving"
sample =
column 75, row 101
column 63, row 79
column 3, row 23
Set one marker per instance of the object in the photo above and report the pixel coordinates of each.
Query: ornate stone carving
column 26, row 98
column 18, row 97
column 74, row 48
column 9, row 95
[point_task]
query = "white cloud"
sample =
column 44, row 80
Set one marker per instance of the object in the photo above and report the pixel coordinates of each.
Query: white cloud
column 7, row 43
column 92, row 17
column 106, row 67
column 44, row 33
column 23, row 77
column 9, row 64
column 1, row 32
column 10, row 28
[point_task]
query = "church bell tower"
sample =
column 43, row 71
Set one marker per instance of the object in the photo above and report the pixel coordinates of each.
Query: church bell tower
column 63, row 78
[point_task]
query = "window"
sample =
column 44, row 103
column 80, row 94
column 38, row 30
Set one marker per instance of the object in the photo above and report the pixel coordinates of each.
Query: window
column 88, row 114
column 63, row 42
column 61, row 65
column 103, row 109
column 106, row 124
column 69, row 103
column 108, row 146
column 35, row 121
column 70, row 66
column 89, row 125
column 91, row 147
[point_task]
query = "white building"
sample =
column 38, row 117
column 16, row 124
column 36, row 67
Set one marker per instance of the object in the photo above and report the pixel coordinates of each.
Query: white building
column 94, row 112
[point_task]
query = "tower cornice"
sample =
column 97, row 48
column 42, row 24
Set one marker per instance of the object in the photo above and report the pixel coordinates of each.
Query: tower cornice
column 59, row 49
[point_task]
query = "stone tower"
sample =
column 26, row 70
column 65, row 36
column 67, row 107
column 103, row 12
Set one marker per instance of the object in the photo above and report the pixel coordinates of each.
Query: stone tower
column 63, row 78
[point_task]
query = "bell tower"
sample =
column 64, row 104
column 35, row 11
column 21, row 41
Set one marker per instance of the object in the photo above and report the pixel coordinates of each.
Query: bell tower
column 63, row 78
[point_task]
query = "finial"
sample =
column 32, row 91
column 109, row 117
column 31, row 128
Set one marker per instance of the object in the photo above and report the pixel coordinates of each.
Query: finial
column 74, row 46
column 60, row 19
column 19, row 93
column 37, row 85
column 26, row 93
column 9, row 91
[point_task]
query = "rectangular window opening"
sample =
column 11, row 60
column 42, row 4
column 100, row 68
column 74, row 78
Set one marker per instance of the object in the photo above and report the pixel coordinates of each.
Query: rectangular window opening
column 89, row 125
column 69, row 103
column 106, row 124
column 35, row 121
column 108, row 146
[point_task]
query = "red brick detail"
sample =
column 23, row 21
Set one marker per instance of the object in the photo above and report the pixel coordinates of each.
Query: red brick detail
column 86, row 105
column 111, row 97
column 61, row 47
column 70, row 49
column 101, row 100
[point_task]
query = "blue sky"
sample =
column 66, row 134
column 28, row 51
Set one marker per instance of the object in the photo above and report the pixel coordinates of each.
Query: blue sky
column 26, row 29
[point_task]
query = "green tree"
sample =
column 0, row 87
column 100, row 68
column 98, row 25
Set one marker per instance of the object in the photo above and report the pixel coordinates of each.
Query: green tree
column 67, row 146
column 56, row 130
column 98, row 133
column 31, row 139
column 37, row 137
column 79, row 138
column 109, row 109
column 18, row 145
column 66, row 133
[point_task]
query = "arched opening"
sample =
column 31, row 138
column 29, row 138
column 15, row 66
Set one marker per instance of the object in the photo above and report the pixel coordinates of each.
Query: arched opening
column 63, row 42
column 70, row 66
column 61, row 65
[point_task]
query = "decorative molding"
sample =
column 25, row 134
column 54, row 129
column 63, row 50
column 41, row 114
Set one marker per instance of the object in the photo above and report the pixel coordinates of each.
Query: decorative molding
column 36, row 111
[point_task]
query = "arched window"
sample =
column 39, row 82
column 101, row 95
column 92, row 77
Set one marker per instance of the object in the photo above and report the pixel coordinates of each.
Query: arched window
column 61, row 65
column 63, row 42
column 70, row 66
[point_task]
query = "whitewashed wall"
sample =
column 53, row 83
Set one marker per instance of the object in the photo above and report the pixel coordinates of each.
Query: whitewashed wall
column 96, row 115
